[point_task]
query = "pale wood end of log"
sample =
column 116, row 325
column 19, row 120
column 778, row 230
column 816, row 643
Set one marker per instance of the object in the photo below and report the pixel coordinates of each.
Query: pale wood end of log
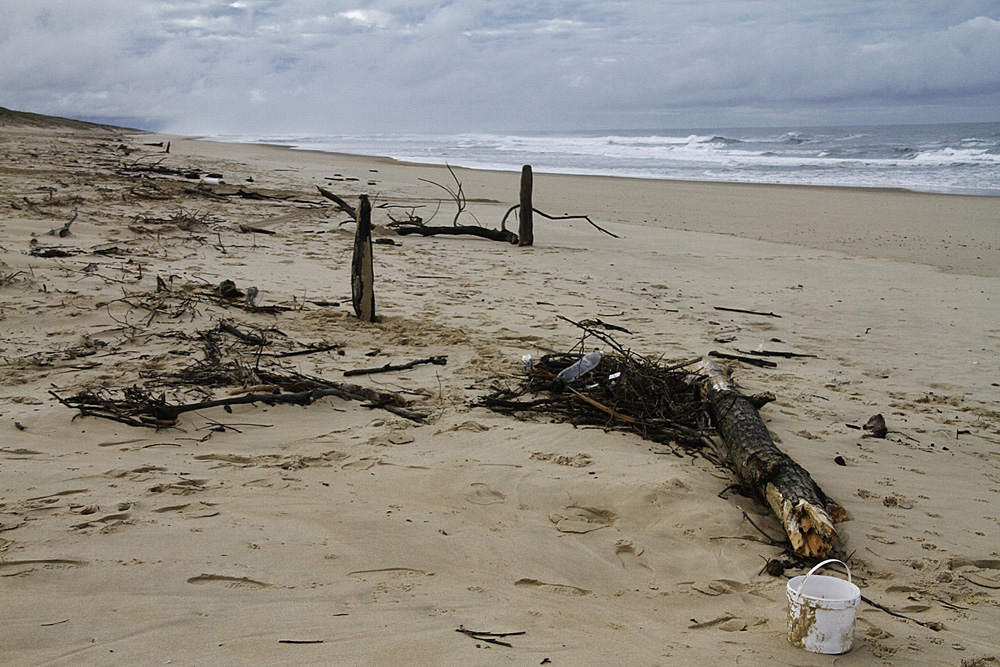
column 806, row 513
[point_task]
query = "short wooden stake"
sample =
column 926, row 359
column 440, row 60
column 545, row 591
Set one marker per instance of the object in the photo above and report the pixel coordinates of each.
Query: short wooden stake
column 362, row 271
column 525, row 230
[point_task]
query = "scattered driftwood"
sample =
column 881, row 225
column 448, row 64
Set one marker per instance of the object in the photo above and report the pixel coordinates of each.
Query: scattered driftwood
column 38, row 250
column 505, row 235
column 63, row 232
column 362, row 270
column 138, row 407
column 251, row 339
column 341, row 204
column 753, row 361
column 746, row 312
column 298, row 353
column 388, row 368
column 783, row 355
column 489, row 637
column 558, row 217
column 875, row 427
column 625, row 392
column 250, row 194
column 682, row 404
column 457, row 193
column 248, row 229
column 415, row 225
column 806, row 513
column 525, row 227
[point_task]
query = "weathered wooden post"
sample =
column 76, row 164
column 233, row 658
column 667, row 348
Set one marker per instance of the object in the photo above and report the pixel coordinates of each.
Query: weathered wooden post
column 525, row 230
column 362, row 271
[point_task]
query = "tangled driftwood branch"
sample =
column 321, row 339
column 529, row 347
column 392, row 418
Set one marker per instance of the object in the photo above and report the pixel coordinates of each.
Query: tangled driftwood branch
column 629, row 393
column 681, row 404
column 138, row 407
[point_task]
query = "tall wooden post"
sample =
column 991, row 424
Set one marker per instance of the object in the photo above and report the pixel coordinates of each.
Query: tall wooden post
column 525, row 230
column 362, row 271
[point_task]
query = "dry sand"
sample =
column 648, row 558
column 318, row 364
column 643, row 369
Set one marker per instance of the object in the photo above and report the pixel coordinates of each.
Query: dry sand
column 338, row 534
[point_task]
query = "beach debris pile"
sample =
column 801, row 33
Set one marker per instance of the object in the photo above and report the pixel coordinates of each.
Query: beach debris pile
column 624, row 391
column 248, row 362
column 689, row 406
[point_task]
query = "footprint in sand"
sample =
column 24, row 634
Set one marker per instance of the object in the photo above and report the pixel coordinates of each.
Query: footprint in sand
column 235, row 459
column 267, row 483
column 390, row 573
column 54, row 496
column 471, row 426
column 580, row 460
column 729, row 586
column 628, row 553
column 582, row 519
column 727, row 623
column 558, row 589
column 982, row 573
column 13, row 568
column 362, row 464
column 229, row 582
column 481, row 494
column 107, row 522
column 201, row 510
column 181, row 488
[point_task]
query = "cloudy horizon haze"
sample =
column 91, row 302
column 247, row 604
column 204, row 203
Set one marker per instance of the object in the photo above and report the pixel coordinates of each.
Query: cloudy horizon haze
column 310, row 66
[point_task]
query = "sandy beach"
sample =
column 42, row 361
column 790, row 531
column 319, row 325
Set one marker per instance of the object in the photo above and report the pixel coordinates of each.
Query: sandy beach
column 336, row 533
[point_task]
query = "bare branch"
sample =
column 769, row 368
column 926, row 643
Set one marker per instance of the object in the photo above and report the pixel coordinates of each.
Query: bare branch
column 458, row 194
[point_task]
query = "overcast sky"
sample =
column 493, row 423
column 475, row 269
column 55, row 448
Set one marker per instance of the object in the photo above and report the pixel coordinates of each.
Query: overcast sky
column 343, row 66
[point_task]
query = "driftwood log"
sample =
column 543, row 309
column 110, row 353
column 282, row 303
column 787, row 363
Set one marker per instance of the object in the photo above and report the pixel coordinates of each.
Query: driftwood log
column 362, row 270
column 457, row 230
column 806, row 513
column 341, row 204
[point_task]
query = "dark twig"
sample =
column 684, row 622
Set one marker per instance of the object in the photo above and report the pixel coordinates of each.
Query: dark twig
column 438, row 361
column 753, row 361
column 488, row 637
column 931, row 625
column 746, row 312
column 252, row 339
column 770, row 540
column 503, row 223
column 783, row 355
column 457, row 193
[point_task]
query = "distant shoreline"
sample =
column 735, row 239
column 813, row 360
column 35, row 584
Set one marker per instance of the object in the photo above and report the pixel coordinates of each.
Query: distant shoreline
column 918, row 163
column 955, row 233
column 516, row 170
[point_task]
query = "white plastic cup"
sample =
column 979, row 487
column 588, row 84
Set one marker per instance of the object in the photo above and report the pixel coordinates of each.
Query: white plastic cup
column 822, row 610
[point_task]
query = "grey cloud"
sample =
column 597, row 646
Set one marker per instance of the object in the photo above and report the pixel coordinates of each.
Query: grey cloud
column 383, row 65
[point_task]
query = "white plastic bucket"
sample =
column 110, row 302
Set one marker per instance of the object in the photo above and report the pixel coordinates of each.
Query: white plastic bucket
column 821, row 611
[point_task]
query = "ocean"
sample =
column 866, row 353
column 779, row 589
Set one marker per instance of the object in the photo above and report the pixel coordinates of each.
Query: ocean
column 962, row 158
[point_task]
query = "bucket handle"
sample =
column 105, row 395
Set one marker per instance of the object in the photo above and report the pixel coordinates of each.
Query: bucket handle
column 826, row 562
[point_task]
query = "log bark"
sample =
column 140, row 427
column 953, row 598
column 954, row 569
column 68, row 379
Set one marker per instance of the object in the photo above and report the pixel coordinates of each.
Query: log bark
column 525, row 228
column 806, row 513
column 362, row 270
